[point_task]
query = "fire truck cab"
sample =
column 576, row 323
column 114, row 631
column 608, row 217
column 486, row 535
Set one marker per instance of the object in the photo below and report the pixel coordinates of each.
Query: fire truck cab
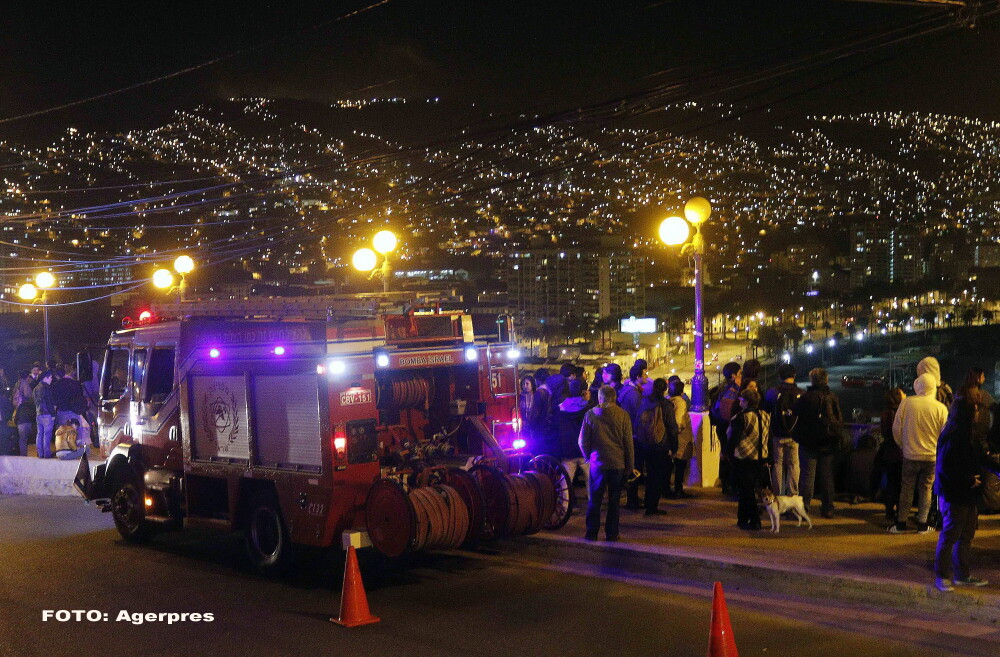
column 278, row 421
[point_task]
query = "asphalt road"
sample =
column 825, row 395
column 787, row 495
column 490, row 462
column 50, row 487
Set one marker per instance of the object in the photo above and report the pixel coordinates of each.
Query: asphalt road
column 57, row 553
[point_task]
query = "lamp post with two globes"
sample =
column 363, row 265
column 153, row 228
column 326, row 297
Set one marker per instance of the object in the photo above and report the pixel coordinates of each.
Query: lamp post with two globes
column 28, row 292
column 673, row 232
column 164, row 278
column 385, row 242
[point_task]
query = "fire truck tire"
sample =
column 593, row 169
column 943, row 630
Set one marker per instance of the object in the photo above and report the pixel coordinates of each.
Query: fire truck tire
column 129, row 512
column 467, row 488
column 268, row 543
column 565, row 496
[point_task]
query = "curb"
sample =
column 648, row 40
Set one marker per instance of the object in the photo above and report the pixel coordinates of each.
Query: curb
column 658, row 564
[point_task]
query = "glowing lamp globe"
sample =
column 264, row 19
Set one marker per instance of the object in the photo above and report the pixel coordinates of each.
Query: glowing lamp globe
column 27, row 292
column 697, row 210
column 674, row 231
column 162, row 278
column 384, row 241
column 183, row 264
column 364, row 260
column 45, row 280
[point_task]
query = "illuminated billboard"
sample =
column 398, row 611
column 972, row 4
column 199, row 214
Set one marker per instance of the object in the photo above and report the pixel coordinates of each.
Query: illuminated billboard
column 638, row 325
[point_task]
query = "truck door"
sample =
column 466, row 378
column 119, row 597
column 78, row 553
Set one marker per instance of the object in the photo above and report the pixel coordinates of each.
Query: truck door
column 113, row 411
column 157, row 408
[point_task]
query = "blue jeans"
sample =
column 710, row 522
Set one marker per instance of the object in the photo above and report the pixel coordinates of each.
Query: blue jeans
column 71, row 455
column 601, row 480
column 43, row 440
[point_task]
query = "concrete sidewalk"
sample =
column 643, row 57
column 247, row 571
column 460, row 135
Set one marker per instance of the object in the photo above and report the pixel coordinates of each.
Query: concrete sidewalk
column 850, row 558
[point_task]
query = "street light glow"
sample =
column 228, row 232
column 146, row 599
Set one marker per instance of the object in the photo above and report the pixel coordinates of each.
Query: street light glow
column 698, row 210
column 384, row 241
column 674, row 231
column 183, row 265
column 162, row 278
column 364, row 260
column 28, row 292
column 45, row 280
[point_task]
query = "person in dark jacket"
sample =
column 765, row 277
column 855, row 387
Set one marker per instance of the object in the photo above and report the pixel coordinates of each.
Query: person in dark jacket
column 630, row 399
column 658, row 456
column 45, row 412
column 889, row 459
column 606, row 442
column 569, row 419
column 558, row 385
column 974, row 380
column 724, row 407
column 596, row 384
column 779, row 402
column 817, row 431
column 958, row 484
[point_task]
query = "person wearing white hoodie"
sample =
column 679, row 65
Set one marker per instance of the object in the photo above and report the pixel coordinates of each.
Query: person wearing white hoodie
column 918, row 423
column 943, row 391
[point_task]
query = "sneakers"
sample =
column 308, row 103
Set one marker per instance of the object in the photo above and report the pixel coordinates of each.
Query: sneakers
column 923, row 528
column 898, row 528
column 943, row 585
column 970, row 581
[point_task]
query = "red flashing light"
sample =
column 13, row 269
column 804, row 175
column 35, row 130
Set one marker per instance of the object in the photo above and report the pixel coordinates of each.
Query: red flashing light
column 340, row 443
column 145, row 316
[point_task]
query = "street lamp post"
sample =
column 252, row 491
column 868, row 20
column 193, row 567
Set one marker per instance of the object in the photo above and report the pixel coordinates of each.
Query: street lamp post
column 675, row 231
column 28, row 292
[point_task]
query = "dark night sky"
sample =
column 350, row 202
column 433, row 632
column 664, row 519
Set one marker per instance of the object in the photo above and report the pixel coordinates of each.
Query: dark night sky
column 515, row 56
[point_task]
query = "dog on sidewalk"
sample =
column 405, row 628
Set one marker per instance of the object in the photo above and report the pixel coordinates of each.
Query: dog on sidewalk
column 779, row 504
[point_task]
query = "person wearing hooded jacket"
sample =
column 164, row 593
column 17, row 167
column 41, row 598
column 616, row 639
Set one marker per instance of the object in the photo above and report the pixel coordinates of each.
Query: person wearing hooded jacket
column 918, row 423
column 943, row 392
column 817, row 431
column 959, row 484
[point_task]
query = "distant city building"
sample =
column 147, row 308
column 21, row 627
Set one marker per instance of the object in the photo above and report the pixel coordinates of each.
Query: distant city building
column 801, row 258
column 552, row 285
column 883, row 255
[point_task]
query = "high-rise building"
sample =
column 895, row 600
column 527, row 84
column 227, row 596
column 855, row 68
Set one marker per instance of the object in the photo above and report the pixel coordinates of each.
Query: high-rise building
column 883, row 255
column 552, row 285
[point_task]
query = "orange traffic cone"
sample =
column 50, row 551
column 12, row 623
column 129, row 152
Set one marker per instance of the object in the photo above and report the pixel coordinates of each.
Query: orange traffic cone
column 353, row 601
column 720, row 639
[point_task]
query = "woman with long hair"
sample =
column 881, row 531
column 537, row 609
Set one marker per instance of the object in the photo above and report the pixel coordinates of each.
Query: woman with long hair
column 532, row 410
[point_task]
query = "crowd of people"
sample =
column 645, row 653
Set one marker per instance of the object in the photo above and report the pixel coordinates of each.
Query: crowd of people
column 47, row 403
column 632, row 435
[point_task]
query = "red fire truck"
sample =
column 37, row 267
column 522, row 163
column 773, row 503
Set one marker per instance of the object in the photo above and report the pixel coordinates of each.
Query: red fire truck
column 318, row 421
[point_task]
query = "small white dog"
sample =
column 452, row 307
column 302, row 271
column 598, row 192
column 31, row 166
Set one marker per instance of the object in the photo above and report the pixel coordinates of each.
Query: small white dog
column 778, row 504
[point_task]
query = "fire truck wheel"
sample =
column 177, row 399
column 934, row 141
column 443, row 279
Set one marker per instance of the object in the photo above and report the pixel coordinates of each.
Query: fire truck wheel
column 269, row 547
column 129, row 513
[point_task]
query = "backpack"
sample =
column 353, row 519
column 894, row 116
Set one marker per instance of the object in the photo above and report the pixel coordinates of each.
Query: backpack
column 783, row 419
column 652, row 429
column 833, row 428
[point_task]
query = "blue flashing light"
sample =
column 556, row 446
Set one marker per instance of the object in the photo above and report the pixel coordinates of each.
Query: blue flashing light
column 519, row 443
column 279, row 351
column 214, row 353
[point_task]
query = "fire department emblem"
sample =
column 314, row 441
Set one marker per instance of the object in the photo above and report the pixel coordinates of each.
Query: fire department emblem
column 219, row 414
